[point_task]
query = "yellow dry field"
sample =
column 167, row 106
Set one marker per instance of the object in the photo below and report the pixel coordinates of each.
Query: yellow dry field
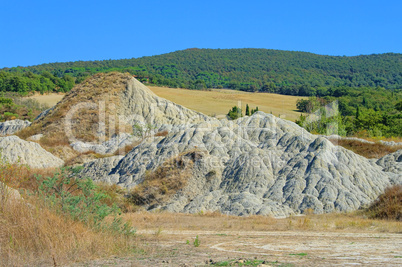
column 218, row 102
column 49, row 99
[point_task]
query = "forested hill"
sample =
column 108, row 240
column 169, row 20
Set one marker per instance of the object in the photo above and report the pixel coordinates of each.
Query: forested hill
column 286, row 72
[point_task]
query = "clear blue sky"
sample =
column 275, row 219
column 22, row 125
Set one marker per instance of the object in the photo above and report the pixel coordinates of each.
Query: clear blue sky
column 35, row 32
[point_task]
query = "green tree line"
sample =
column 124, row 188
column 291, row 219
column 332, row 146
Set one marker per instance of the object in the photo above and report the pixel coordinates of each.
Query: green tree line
column 369, row 112
column 262, row 70
column 25, row 82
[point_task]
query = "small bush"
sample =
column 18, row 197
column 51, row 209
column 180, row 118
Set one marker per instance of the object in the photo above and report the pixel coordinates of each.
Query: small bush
column 6, row 101
column 388, row 205
column 9, row 116
column 78, row 199
column 196, row 242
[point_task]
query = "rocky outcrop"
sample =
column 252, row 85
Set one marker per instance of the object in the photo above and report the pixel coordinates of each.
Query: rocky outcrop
column 139, row 105
column 392, row 162
column 99, row 170
column 15, row 150
column 44, row 113
column 108, row 147
column 259, row 165
column 13, row 126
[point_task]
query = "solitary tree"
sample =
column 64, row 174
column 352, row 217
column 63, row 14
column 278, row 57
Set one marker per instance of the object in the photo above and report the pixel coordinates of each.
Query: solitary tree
column 235, row 113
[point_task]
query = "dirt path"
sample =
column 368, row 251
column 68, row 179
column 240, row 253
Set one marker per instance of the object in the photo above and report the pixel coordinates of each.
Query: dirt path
column 288, row 248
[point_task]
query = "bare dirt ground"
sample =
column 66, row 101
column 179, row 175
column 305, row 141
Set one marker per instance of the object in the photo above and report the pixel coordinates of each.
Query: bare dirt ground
column 170, row 240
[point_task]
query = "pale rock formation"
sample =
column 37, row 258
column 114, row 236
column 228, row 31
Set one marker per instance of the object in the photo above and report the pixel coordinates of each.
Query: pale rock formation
column 15, row 150
column 13, row 126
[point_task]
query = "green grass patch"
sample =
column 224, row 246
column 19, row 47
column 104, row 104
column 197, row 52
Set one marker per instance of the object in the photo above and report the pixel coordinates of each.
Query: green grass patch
column 249, row 263
column 298, row 254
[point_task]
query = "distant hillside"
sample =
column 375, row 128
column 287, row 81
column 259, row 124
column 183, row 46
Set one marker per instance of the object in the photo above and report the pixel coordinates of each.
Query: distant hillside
column 285, row 72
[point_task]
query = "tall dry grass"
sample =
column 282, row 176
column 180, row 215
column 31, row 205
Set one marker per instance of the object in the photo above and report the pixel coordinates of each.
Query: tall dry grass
column 33, row 235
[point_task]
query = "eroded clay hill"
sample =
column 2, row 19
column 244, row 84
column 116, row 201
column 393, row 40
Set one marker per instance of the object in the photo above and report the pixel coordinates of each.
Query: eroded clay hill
column 98, row 115
column 255, row 165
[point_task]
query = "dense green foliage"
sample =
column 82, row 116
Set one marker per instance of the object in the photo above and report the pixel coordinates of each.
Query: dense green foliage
column 284, row 72
column 374, row 112
column 23, row 82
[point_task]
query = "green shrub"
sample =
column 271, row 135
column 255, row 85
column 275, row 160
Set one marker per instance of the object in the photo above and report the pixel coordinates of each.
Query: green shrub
column 6, row 101
column 80, row 200
column 235, row 113
column 197, row 242
column 9, row 116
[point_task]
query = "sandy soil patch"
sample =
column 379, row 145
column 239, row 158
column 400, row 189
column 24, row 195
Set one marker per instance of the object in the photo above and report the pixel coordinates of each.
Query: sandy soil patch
column 328, row 240
column 289, row 248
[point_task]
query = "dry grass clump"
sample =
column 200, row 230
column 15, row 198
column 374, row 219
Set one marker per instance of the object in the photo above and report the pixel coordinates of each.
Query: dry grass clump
column 29, row 131
column 54, row 140
column 162, row 133
column 159, row 185
column 124, row 151
column 388, row 205
column 376, row 150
